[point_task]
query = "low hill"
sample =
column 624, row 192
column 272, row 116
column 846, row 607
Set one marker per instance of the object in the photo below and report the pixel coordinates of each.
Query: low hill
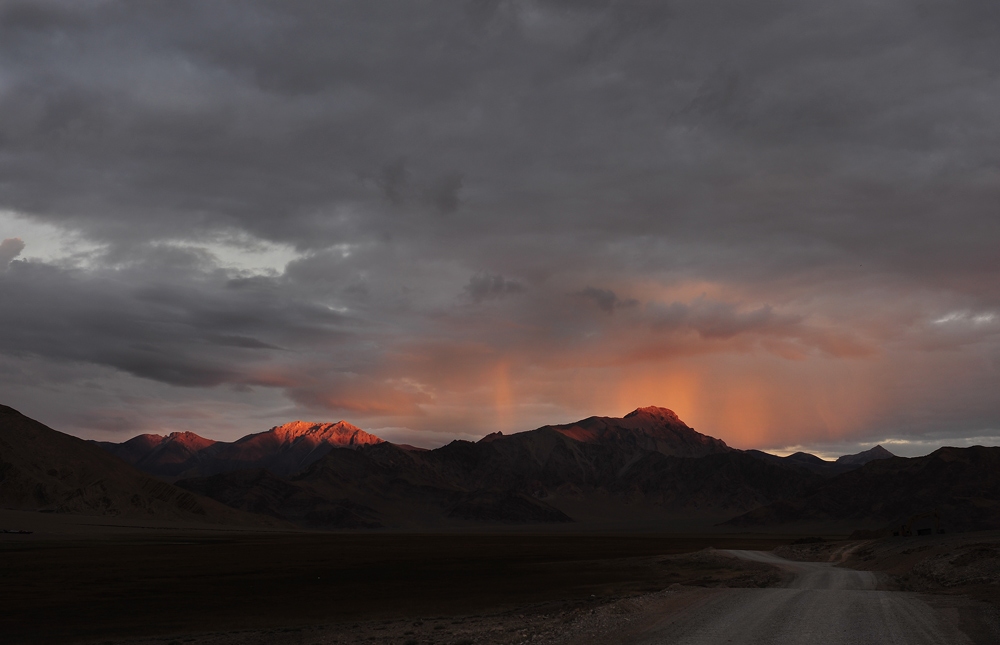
column 862, row 458
column 960, row 485
column 806, row 462
column 43, row 469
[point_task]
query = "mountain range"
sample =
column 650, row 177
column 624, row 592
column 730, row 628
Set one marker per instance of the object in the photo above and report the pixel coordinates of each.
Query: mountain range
column 648, row 464
column 45, row 470
column 646, row 470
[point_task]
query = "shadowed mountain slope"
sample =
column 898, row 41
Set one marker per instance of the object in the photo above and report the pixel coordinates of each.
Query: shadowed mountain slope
column 258, row 491
column 961, row 484
column 283, row 450
column 42, row 469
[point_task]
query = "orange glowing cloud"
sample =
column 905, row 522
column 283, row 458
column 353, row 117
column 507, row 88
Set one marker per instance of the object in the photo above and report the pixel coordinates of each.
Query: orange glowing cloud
column 752, row 374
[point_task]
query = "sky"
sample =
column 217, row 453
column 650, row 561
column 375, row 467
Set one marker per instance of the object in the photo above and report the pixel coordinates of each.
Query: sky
column 438, row 219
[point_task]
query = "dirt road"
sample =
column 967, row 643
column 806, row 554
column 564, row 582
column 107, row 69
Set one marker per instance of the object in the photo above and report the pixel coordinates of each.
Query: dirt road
column 820, row 605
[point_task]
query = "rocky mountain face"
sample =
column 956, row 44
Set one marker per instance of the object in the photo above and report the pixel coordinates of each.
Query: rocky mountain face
column 649, row 429
column 42, row 469
column 960, row 486
column 163, row 456
column 282, row 450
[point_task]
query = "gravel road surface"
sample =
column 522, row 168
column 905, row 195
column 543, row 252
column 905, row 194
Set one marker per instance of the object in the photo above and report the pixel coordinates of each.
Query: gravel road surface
column 819, row 605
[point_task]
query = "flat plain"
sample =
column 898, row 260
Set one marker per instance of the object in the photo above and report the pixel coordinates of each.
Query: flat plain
column 133, row 582
column 79, row 579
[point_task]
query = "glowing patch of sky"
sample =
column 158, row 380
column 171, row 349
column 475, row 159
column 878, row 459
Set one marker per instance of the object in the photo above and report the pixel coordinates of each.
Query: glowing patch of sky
column 242, row 253
column 959, row 316
column 898, row 446
column 45, row 242
column 56, row 245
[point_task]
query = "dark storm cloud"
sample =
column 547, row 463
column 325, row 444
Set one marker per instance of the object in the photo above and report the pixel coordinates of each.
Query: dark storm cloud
column 33, row 17
column 606, row 299
column 836, row 160
column 443, row 193
column 718, row 319
column 393, row 180
column 183, row 330
column 679, row 122
column 487, row 286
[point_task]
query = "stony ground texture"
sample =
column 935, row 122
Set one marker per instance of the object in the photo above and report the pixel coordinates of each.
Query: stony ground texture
column 959, row 564
column 583, row 622
column 589, row 621
column 727, row 597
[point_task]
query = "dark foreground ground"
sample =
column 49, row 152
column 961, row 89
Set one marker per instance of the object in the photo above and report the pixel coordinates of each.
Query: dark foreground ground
column 102, row 587
column 957, row 564
column 89, row 581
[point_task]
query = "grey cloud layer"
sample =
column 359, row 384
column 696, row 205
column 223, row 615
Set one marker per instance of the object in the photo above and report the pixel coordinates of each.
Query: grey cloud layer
column 830, row 127
column 503, row 174
column 160, row 322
